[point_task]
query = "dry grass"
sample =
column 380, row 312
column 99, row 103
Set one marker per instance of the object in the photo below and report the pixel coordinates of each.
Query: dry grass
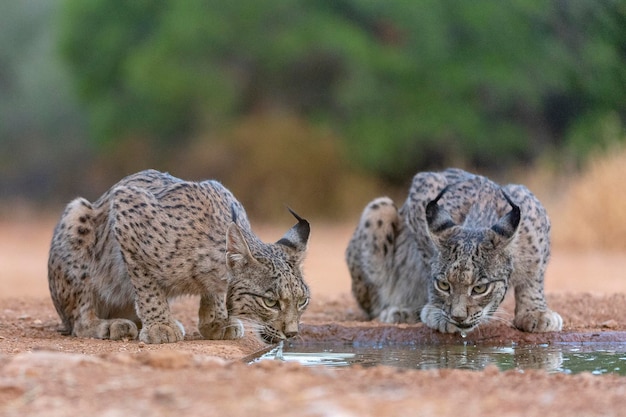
column 269, row 161
column 592, row 212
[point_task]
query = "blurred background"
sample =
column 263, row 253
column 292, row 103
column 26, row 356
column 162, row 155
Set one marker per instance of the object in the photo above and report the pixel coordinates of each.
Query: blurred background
column 318, row 104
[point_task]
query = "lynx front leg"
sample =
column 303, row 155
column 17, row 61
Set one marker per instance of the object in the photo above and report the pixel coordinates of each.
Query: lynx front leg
column 132, row 218
column 531, row 311
column 533, row 252
column 158, row 325
column 214, row 322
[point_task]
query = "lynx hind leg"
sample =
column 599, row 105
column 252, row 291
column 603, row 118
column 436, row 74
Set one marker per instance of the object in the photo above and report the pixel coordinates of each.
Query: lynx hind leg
column 377, row 228
column 393, row 314
column 69, row 280
column 370, row 253
column 68, row 263
column 114, row 329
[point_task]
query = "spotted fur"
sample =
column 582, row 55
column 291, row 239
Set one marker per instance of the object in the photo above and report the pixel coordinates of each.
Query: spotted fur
column 115, row 263
column 448, row 256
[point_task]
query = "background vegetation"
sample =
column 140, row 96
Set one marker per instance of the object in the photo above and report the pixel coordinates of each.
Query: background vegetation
column 312, row 103
column 592, row 210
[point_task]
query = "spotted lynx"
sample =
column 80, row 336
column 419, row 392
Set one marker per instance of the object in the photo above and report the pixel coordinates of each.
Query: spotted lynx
column 115, row 263
column 449, row 254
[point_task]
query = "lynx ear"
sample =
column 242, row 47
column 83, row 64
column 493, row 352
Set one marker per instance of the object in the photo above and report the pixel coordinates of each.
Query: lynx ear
column 506, row 227
column 237, row 249
column 438, row 219
column 296, row 238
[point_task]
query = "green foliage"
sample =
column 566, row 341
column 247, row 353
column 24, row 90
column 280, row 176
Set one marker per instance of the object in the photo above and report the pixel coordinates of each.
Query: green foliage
column 595, row 133
column 407, row 85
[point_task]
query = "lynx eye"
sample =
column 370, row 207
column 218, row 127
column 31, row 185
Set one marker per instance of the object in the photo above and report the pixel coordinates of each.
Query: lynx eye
column 270, row 302
column 480, row 289
column 442, row 286
column 303, row 303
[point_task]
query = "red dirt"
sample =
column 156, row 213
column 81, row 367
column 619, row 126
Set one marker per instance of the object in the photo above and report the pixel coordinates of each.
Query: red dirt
column 45, row 373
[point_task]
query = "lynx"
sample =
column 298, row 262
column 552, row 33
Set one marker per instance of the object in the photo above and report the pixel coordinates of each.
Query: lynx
column 115, row 263
column 449, row 254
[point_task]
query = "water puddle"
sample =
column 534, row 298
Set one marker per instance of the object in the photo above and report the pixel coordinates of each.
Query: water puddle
column 569, row 358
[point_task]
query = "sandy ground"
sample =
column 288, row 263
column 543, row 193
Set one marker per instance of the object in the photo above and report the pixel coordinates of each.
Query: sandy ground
column 44, row 373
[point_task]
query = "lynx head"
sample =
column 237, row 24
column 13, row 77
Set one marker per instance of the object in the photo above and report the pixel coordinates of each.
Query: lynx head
column 267, row 289
column 470, row 270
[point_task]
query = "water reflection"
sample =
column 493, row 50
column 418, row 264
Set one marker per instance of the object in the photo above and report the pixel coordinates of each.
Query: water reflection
column 567, row 357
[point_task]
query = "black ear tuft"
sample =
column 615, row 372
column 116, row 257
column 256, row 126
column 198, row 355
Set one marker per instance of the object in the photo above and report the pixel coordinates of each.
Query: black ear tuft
column 233, row 213
column 437, row 218
column 303, row 227
column 507, row 225
column 296, row 238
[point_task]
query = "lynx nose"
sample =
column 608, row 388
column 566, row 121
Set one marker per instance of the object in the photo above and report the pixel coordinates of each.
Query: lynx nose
column 291, row 329
column 459, row 318
column 458, row 313
column 289, row 335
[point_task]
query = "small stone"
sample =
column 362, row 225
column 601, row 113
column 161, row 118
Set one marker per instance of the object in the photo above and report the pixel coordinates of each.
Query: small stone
column 165, row 394
column 610, row 324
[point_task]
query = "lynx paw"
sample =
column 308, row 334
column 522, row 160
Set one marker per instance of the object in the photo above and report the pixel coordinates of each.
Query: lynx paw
column 539, row 321
column 116, row 329
column 434, row 318
column 122, row 329
column 233, row 329
column 398, row 315
column 162, row 333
